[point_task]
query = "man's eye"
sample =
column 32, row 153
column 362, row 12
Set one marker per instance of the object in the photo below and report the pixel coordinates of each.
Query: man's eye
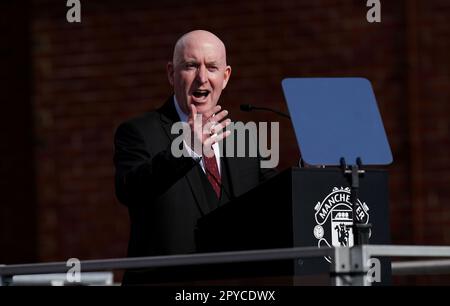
column 212, row 68
column 190, row 66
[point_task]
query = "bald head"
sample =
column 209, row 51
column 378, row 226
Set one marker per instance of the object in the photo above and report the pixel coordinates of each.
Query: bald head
column 198, row 71
column 197, row 38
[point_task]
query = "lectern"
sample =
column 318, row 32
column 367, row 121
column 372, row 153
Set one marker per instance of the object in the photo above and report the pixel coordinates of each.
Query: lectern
column 299, row 207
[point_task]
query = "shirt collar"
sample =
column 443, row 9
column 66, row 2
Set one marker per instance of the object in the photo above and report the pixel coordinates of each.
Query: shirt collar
column 181, row 114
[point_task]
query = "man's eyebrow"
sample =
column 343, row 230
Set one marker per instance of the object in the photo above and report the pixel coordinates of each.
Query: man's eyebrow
column 196, row 62
column 189, row 61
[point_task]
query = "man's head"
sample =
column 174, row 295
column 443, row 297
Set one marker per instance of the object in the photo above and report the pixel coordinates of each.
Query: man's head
column 198, row 71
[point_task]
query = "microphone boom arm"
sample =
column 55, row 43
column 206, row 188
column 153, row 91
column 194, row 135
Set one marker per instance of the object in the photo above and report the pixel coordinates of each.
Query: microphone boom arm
column 272, row 110
column 249, row 108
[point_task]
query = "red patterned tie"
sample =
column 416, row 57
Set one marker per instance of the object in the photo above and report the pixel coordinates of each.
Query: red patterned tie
column 212, row 173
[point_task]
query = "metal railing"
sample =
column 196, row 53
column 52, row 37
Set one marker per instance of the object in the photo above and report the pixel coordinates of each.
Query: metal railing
column 7, row 271
column 349, row 265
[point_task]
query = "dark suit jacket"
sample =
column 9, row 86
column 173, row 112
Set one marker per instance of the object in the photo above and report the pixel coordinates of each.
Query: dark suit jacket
column 164, row 194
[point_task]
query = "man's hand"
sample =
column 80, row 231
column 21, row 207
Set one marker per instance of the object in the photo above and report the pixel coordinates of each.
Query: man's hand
column 206, row 129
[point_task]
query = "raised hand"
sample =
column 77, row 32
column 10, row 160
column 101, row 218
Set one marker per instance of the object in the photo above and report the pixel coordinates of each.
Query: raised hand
column 207, row 129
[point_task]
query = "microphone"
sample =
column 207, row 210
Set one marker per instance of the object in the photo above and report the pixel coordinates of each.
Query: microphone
column 246, row 107
column 249, row 108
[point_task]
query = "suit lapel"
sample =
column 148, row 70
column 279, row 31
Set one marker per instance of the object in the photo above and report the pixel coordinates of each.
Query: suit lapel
column 234, row 180
column 195, row 182
column 169, row 116
column 232, row 167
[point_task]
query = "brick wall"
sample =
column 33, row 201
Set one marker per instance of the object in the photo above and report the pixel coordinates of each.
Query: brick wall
column 89, row 77
column 433, row 99
column 17, row 179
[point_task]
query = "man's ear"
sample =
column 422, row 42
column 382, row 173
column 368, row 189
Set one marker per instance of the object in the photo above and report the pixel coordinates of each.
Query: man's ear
column 170, row 72
column 226, row 77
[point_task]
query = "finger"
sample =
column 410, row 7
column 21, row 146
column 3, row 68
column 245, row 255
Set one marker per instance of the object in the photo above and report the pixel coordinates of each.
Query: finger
column 208, row 128
column 220, row 116
column 216, row 109
column 219, row 127
column 212, row 112
column 209, row 141
column 216, row 138
column 195, row 124
column 213, row 127
column 193, row 111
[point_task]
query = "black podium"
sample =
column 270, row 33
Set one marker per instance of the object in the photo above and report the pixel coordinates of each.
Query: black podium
column 299, row 207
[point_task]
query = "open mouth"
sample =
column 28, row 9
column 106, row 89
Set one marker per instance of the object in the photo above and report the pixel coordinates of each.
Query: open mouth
column 200, row 93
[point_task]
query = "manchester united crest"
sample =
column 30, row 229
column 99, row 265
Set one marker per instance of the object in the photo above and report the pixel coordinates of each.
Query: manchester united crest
column 334, row 219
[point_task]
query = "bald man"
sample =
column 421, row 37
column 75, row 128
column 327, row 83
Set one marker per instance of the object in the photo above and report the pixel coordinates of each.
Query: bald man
column 165, row 194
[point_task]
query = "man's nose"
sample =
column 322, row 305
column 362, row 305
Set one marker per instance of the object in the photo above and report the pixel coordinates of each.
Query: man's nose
column 202, row 74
